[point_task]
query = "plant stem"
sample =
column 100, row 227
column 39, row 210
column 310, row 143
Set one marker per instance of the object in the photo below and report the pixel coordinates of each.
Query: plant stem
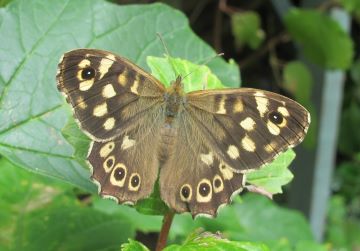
column 161, row 243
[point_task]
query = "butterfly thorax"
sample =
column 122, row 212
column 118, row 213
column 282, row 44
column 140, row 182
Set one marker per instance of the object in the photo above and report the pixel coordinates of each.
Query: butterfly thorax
column 174, row 98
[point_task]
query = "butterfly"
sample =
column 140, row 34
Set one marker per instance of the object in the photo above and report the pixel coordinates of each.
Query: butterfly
column 199, row 145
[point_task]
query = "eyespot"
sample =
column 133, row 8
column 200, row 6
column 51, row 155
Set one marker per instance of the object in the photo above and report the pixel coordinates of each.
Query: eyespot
column 204, row 189
column 185, row 193
column 109, row 163
column 134, row 182
column 88, row 73
column 119, row 173
column 276, row 117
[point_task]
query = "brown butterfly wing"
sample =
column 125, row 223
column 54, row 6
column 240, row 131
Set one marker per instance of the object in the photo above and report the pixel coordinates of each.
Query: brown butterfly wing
column 193, row 178
column 107, row 92
column 120, row 107
column 247, row 127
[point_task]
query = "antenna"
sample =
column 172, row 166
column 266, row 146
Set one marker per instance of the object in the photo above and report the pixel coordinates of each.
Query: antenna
column 205, row 62
column 167, row 53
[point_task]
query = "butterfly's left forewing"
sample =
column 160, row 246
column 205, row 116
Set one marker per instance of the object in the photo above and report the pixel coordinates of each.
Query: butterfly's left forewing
column 120, row 107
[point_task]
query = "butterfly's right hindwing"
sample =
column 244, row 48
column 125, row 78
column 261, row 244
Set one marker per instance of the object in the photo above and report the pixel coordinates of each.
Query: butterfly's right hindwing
column 107, row 92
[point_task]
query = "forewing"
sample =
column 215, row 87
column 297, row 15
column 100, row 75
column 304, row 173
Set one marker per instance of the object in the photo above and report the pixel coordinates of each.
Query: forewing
column 106, row 91
column 247, row 128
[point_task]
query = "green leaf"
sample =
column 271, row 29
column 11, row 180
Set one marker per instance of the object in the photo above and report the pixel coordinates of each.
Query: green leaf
column 274, row 175
column 353, row 6
column 37, row 212
column 249, row 220
column 214, row 242
column 133, row 246
column 197, row 77
column 299, row 82
column 323, row 40
column 32, row 112
column 246, row 28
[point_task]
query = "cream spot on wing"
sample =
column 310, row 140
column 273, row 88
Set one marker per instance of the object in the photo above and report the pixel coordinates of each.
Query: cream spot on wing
column 109, row 164
column 134, row 182
column 208, row 159
column 109, row 124
column 127, row 143
column 248, row 144
column 80, row 102
column 283, row 111
column 238, row 106
column 105, row 65
column 122, row 78
column 248, row 124
column 204, row 191
column 218, row 184
column 273, row 129
column 226, row 172
column 262, row 103
column 135, row 86
column 86, row 85
column 185, row 190
column 84, row 63
column 118, row 175
column 222, row 109
column 100, row 110
column 233, row 152
column 108, row 91
column 107, row 149
column 269, row 148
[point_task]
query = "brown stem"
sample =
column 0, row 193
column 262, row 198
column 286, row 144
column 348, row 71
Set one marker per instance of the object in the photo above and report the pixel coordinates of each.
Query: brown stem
column 161, row 243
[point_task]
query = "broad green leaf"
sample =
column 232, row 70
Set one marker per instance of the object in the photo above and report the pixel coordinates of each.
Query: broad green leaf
column 274, row 175
column 32, row 112
column 38, row 212
column 197, row 77
column 298, row 81
column 323, row 40
column 246, row 28
column 249, row 220
column 133, row 246
column 214, row 242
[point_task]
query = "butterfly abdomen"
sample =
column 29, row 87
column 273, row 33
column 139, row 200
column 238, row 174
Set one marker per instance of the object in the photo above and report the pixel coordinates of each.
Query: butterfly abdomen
column 167, row 141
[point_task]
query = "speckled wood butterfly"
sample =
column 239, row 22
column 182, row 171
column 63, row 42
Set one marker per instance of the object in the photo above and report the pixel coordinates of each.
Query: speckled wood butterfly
column 200, row 144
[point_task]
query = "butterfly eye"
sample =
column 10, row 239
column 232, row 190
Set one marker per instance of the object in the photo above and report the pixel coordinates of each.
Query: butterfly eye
column 276, row 117
column 88, row 73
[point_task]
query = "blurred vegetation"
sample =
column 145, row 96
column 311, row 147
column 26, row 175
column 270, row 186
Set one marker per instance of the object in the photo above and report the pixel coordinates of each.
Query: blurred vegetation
column 46, row 199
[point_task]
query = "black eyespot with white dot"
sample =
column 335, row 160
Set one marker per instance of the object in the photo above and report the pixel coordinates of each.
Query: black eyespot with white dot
column 88, row 73
column 185, row 192
column 135, row 181
column 119, row 173
column 204, row 189
column 276, row 117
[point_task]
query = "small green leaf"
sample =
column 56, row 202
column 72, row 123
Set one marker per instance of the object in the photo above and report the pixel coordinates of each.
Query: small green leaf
column 133, row 246
column 274, row 175
column 197, row 77
column 246, row 28
column 323, row 40
column 214, row 242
